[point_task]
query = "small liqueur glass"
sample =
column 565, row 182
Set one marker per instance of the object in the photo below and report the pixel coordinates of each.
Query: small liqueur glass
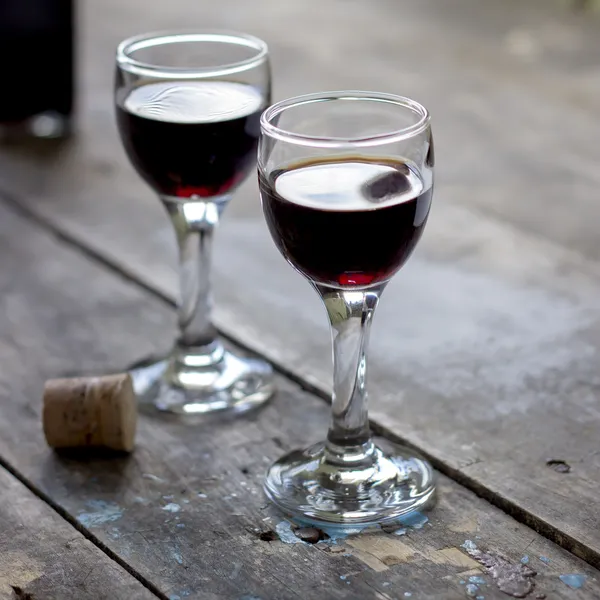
column 188, row 105
column 346, row 181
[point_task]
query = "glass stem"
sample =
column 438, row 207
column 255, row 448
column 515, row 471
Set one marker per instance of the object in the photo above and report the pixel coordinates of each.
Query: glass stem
column 194, row 222
column 350, row 315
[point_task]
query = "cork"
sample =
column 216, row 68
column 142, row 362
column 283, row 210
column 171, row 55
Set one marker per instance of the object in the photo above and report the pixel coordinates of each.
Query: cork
column 90, row 412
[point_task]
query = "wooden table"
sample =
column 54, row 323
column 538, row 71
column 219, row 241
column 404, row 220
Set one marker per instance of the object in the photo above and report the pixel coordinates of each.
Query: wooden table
column 485, row 350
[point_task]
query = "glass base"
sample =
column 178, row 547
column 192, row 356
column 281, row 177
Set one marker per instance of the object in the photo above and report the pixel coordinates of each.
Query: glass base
column 316, row 486
column 203, row 381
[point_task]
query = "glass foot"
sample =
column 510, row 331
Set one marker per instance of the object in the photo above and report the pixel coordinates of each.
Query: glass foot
column 210, row 380
column 309, row 484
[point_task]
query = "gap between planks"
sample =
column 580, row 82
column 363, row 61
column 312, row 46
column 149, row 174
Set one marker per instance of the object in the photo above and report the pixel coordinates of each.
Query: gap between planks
column 509, row 507
column 88, row 535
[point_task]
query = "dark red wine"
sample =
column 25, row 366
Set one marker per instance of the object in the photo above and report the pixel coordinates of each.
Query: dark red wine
column 351, row 222
column 193, row 138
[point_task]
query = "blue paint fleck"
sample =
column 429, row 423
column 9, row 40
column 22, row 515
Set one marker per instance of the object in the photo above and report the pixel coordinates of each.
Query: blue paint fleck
column 249, row 597
column 573, row 581
column 237, row 567
column 469, row 545
column 479, row 597
column 285, row 533
column 103, row 512
column 180, row 525
column 472, row 590
column 177, row 556
column 172, row 507
column 415, row 520
column 385, row 584
column 462, row 582
column 335, row 532
column 525, row 560
column 343, row 577
column 174, row 597
column 401, row 531
column 170, row 497
column 407, row 594
column 545, row 559
column 477, row 580
column 339, row 533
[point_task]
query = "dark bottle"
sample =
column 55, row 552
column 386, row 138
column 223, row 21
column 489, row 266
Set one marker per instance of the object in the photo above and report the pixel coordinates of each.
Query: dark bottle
column 195, row 138
column 37, row 46
column 351, row 222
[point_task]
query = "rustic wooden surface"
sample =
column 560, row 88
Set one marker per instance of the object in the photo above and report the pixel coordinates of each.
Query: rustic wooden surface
column 485, row 348
column 185, row 510
column 43, row 557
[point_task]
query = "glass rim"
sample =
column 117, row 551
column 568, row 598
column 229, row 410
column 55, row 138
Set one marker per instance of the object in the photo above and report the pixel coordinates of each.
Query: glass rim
column 172, row 36
column 315, row 141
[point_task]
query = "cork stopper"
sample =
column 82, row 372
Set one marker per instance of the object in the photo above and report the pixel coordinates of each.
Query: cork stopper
column 90, row 412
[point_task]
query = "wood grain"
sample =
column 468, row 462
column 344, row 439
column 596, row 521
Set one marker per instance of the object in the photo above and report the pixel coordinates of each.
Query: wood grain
column 185, row 510
column 42, row 557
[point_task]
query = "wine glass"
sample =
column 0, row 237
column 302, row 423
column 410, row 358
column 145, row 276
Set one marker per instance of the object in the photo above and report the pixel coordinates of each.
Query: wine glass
column 346, row 182
column 188, row 106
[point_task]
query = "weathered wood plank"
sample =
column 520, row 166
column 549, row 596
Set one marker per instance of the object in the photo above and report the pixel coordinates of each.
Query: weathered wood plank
column 186, row 510
column 496, row 358
column 43, row 557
